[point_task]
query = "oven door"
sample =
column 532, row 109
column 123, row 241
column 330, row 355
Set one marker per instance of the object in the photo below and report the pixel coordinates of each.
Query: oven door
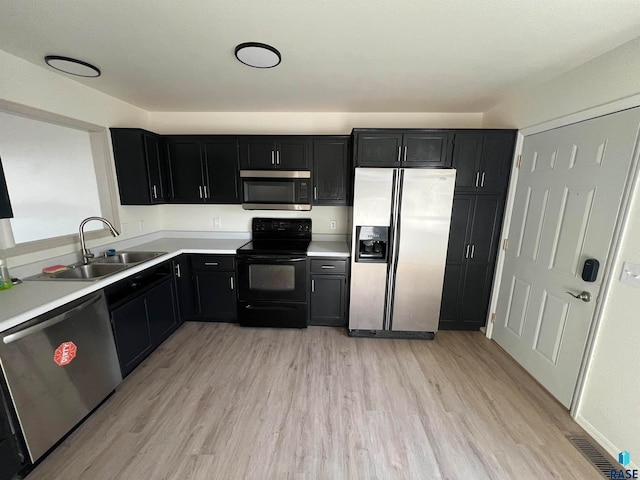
column 280, row 278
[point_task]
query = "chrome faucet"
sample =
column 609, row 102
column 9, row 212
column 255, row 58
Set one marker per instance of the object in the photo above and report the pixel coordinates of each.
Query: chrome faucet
column 86, row 253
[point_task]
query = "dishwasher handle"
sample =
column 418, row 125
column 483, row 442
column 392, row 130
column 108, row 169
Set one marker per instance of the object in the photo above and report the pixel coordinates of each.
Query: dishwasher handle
column 13, row 337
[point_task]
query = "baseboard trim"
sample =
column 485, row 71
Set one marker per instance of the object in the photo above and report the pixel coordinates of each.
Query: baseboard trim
column 602, row 440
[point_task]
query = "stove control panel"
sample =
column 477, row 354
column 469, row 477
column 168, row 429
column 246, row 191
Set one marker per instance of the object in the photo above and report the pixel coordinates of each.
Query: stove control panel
column 281, row 225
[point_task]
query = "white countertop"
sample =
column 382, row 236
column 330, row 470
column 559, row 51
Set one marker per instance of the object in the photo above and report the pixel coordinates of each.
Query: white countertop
column 32, row 298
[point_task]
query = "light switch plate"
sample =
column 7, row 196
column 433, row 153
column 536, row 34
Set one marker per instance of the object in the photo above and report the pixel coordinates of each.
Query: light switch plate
column 630, row 274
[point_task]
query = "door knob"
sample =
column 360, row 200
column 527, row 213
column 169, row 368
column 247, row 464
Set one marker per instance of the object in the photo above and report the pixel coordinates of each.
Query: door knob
column 584, row 296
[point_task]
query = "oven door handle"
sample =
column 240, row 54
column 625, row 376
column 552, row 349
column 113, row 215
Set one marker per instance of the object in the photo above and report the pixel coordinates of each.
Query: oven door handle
column 269, row 307
column 272, row 259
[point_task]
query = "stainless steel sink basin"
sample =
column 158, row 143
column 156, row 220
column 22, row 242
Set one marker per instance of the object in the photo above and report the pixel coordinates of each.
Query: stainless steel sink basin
column 127, row 257
column 89, row 272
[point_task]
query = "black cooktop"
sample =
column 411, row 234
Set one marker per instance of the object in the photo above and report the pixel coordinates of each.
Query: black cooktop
column 279, row 236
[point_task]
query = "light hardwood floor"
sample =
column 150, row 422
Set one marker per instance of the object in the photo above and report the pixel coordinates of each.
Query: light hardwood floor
column 217, row 401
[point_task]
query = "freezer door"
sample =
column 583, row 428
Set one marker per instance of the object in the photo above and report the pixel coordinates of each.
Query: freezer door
column 371, row 207
column 421, row 248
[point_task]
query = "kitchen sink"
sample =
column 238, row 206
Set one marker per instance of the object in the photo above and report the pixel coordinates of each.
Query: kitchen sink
column 89, row 272
column 126, row 257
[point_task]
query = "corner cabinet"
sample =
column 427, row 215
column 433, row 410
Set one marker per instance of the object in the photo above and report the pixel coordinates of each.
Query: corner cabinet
column 332, row 172
column 289, row 152
column 329, row 292
column 203, row 169
column 402, row 148
column 140, row 166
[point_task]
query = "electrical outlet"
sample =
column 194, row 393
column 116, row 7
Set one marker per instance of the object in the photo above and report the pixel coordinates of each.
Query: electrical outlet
column 124, row 228
column 333, row 224
column 141, row 225
column 217, row 222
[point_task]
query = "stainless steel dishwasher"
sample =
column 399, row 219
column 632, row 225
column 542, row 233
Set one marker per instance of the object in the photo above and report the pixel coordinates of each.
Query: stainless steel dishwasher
column 59, row 367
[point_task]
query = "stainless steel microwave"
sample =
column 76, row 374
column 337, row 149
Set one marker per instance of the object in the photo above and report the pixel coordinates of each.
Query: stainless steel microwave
column 276, row 190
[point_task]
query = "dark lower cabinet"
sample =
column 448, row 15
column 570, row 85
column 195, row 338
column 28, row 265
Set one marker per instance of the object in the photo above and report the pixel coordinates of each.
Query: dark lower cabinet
column 12, row 460
column 329, row 292
column 184, row 286
column 473, row 244
column 214, row 288
column 143, row 314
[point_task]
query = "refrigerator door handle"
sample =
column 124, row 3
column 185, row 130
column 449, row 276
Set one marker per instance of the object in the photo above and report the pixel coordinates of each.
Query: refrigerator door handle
column 395, row 246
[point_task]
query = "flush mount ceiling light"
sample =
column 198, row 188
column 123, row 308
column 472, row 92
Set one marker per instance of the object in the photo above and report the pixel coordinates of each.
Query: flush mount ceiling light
column 258, row 55
column 72, row 66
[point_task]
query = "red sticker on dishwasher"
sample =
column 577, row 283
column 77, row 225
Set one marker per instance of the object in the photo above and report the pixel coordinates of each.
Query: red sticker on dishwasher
column 65, row 353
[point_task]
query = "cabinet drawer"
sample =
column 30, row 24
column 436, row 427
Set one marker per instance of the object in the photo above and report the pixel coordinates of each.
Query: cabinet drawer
column 328, row 266
column 222, row 263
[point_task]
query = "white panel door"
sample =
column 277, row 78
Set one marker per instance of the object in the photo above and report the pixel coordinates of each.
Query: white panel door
column 567, row 200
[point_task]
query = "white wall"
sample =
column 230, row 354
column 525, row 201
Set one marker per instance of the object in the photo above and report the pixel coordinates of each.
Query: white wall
column 610, row 406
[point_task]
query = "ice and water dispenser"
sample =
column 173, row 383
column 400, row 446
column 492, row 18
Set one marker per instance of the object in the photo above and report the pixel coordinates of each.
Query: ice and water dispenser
column 372, row 244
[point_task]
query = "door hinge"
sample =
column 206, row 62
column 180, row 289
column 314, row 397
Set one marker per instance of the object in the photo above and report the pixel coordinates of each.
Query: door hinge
column 493, row 318
column 505, row 244
column 519, row 161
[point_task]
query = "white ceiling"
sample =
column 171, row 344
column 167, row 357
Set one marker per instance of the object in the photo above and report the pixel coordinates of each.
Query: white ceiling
column 337, row 55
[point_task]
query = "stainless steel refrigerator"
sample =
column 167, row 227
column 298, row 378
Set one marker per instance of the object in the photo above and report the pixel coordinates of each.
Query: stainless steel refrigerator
column 401, row 220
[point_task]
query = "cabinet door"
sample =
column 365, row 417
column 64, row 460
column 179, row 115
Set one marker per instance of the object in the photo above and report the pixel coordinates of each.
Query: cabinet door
column 331, row 172
column 215, row 295
column 328, row 300
column 5, row 203
column 429, row 149
column 161, row 312
column 184, row 286
column 378, row 149
column 158, row 178
column 11, row 459
column 485, row 230
column 467, row 148
column 131, row 332
column 460, row 228
column 132, row 167
column 258, row 153
column 185, row 170
column 451, row 293
column 495, row 166
column 292, row 153
column 221, row 170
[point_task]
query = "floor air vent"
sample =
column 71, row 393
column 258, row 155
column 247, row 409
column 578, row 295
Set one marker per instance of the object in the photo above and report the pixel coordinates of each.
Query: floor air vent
column 594, row 454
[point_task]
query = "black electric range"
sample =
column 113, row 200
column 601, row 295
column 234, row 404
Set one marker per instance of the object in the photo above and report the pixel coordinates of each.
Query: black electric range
column 272, row 273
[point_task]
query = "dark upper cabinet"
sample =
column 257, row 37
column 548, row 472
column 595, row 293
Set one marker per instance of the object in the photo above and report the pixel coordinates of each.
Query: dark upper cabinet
column 473, row 243
column 140, row 166
column 331, row 170
column 203, row 169
column 402, row 148
column 483, row 160
column 266, row 152
column 5, row 202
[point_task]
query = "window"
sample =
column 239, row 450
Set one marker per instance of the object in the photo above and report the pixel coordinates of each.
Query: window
column 51, row 173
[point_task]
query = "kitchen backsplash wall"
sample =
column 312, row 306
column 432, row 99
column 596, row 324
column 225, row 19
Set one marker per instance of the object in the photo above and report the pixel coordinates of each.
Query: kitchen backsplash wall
column 232, row 218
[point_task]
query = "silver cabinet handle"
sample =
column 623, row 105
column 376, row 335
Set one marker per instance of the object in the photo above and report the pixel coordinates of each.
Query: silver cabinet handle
column 315, row 193
column 211, row 264
column 466, row 253
column 231, row 278
column 405, row 154
column 399, row 153
column 482, row 181
column 178, row 274
column 277, row 157
column 313, row 286
column 155, row 192
column 477, row 178
column 473, row 249
column 200, row 190
column 328, row 267
column 206, row 193
column 584, row 296
column 273, row 156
